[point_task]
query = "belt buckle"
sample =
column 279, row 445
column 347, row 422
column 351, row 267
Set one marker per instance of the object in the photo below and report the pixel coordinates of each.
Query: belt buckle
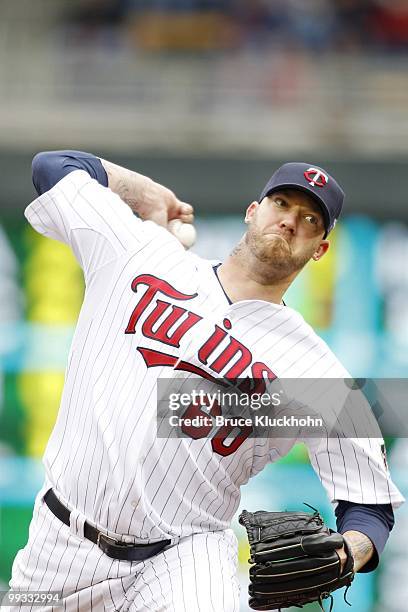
column 103, row 541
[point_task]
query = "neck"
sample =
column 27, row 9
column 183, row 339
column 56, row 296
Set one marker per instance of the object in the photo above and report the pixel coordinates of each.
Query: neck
column 246, row 278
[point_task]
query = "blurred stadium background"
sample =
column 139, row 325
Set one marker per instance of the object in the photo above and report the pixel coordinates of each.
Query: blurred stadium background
column 208, row 97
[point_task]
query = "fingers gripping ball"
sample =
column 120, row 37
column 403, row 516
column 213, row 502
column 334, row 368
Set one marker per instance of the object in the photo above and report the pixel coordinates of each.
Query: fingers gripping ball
column 294, row 559
column 184, row 232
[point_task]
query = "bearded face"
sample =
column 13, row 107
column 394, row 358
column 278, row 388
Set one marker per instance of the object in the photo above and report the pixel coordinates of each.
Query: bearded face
column 283, row 235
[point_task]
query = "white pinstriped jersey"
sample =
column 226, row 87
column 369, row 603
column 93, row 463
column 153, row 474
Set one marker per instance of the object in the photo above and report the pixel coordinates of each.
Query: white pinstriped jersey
column 149, row 309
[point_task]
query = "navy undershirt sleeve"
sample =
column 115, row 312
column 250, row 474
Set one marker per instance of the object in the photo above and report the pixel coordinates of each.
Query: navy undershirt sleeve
column 374, row 520
column 50, row 167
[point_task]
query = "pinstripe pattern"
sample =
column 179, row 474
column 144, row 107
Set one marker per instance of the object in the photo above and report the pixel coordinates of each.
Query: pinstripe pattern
column 104, row 459
column 179, row 579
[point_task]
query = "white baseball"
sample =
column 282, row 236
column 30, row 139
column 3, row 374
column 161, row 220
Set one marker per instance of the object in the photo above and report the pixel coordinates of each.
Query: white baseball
column 184, row 232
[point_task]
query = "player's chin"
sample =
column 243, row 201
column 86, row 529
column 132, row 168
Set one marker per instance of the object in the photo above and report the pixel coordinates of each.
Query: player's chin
column 278, row 255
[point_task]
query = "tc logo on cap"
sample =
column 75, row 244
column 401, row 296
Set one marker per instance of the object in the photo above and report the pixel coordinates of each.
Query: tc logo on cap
column 316, row 177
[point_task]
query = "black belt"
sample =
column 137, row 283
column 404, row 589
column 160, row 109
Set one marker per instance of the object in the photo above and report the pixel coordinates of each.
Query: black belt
column 113, row 548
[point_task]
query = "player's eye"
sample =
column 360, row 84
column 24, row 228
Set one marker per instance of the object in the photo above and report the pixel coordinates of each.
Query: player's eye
column 280, row 203
column 312, row 219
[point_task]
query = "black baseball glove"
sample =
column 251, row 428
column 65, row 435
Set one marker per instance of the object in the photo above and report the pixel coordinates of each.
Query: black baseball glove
column 294, row 559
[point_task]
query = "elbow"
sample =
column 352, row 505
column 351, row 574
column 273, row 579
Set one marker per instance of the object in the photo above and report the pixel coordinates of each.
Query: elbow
column 43, row 168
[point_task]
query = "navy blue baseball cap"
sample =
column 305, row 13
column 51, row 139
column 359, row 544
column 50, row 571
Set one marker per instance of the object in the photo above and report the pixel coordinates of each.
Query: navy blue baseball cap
column 314, row 181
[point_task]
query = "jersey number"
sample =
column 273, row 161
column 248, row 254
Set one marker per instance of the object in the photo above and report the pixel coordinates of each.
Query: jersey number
column 222, row 442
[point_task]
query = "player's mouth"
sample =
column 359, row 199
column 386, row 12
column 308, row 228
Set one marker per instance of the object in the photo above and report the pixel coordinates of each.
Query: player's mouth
column 278, row 234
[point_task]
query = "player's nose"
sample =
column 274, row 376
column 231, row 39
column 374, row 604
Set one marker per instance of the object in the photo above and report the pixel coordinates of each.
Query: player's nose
column 288, row 222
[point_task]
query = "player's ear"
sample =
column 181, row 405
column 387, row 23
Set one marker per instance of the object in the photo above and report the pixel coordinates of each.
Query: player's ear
column 251, row 210
column 321, row 250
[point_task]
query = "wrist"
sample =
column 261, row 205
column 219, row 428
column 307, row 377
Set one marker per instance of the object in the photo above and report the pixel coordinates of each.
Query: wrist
column 360, row 546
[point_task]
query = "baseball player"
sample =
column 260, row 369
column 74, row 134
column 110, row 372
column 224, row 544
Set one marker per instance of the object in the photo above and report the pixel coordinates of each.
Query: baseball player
column 130, row 521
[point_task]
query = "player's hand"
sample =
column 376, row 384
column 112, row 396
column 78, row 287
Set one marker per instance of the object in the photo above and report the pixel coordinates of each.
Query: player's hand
column 158, row 203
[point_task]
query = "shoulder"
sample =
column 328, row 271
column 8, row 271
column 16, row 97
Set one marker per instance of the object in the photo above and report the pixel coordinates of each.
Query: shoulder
column 302, row 352
column 324, row 363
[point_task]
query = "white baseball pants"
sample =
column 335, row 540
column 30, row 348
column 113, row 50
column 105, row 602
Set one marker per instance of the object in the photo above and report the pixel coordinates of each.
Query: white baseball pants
column 198, row 574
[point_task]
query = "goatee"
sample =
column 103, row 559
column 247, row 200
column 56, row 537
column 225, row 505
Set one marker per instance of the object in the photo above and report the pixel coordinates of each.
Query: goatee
column 274, row 254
